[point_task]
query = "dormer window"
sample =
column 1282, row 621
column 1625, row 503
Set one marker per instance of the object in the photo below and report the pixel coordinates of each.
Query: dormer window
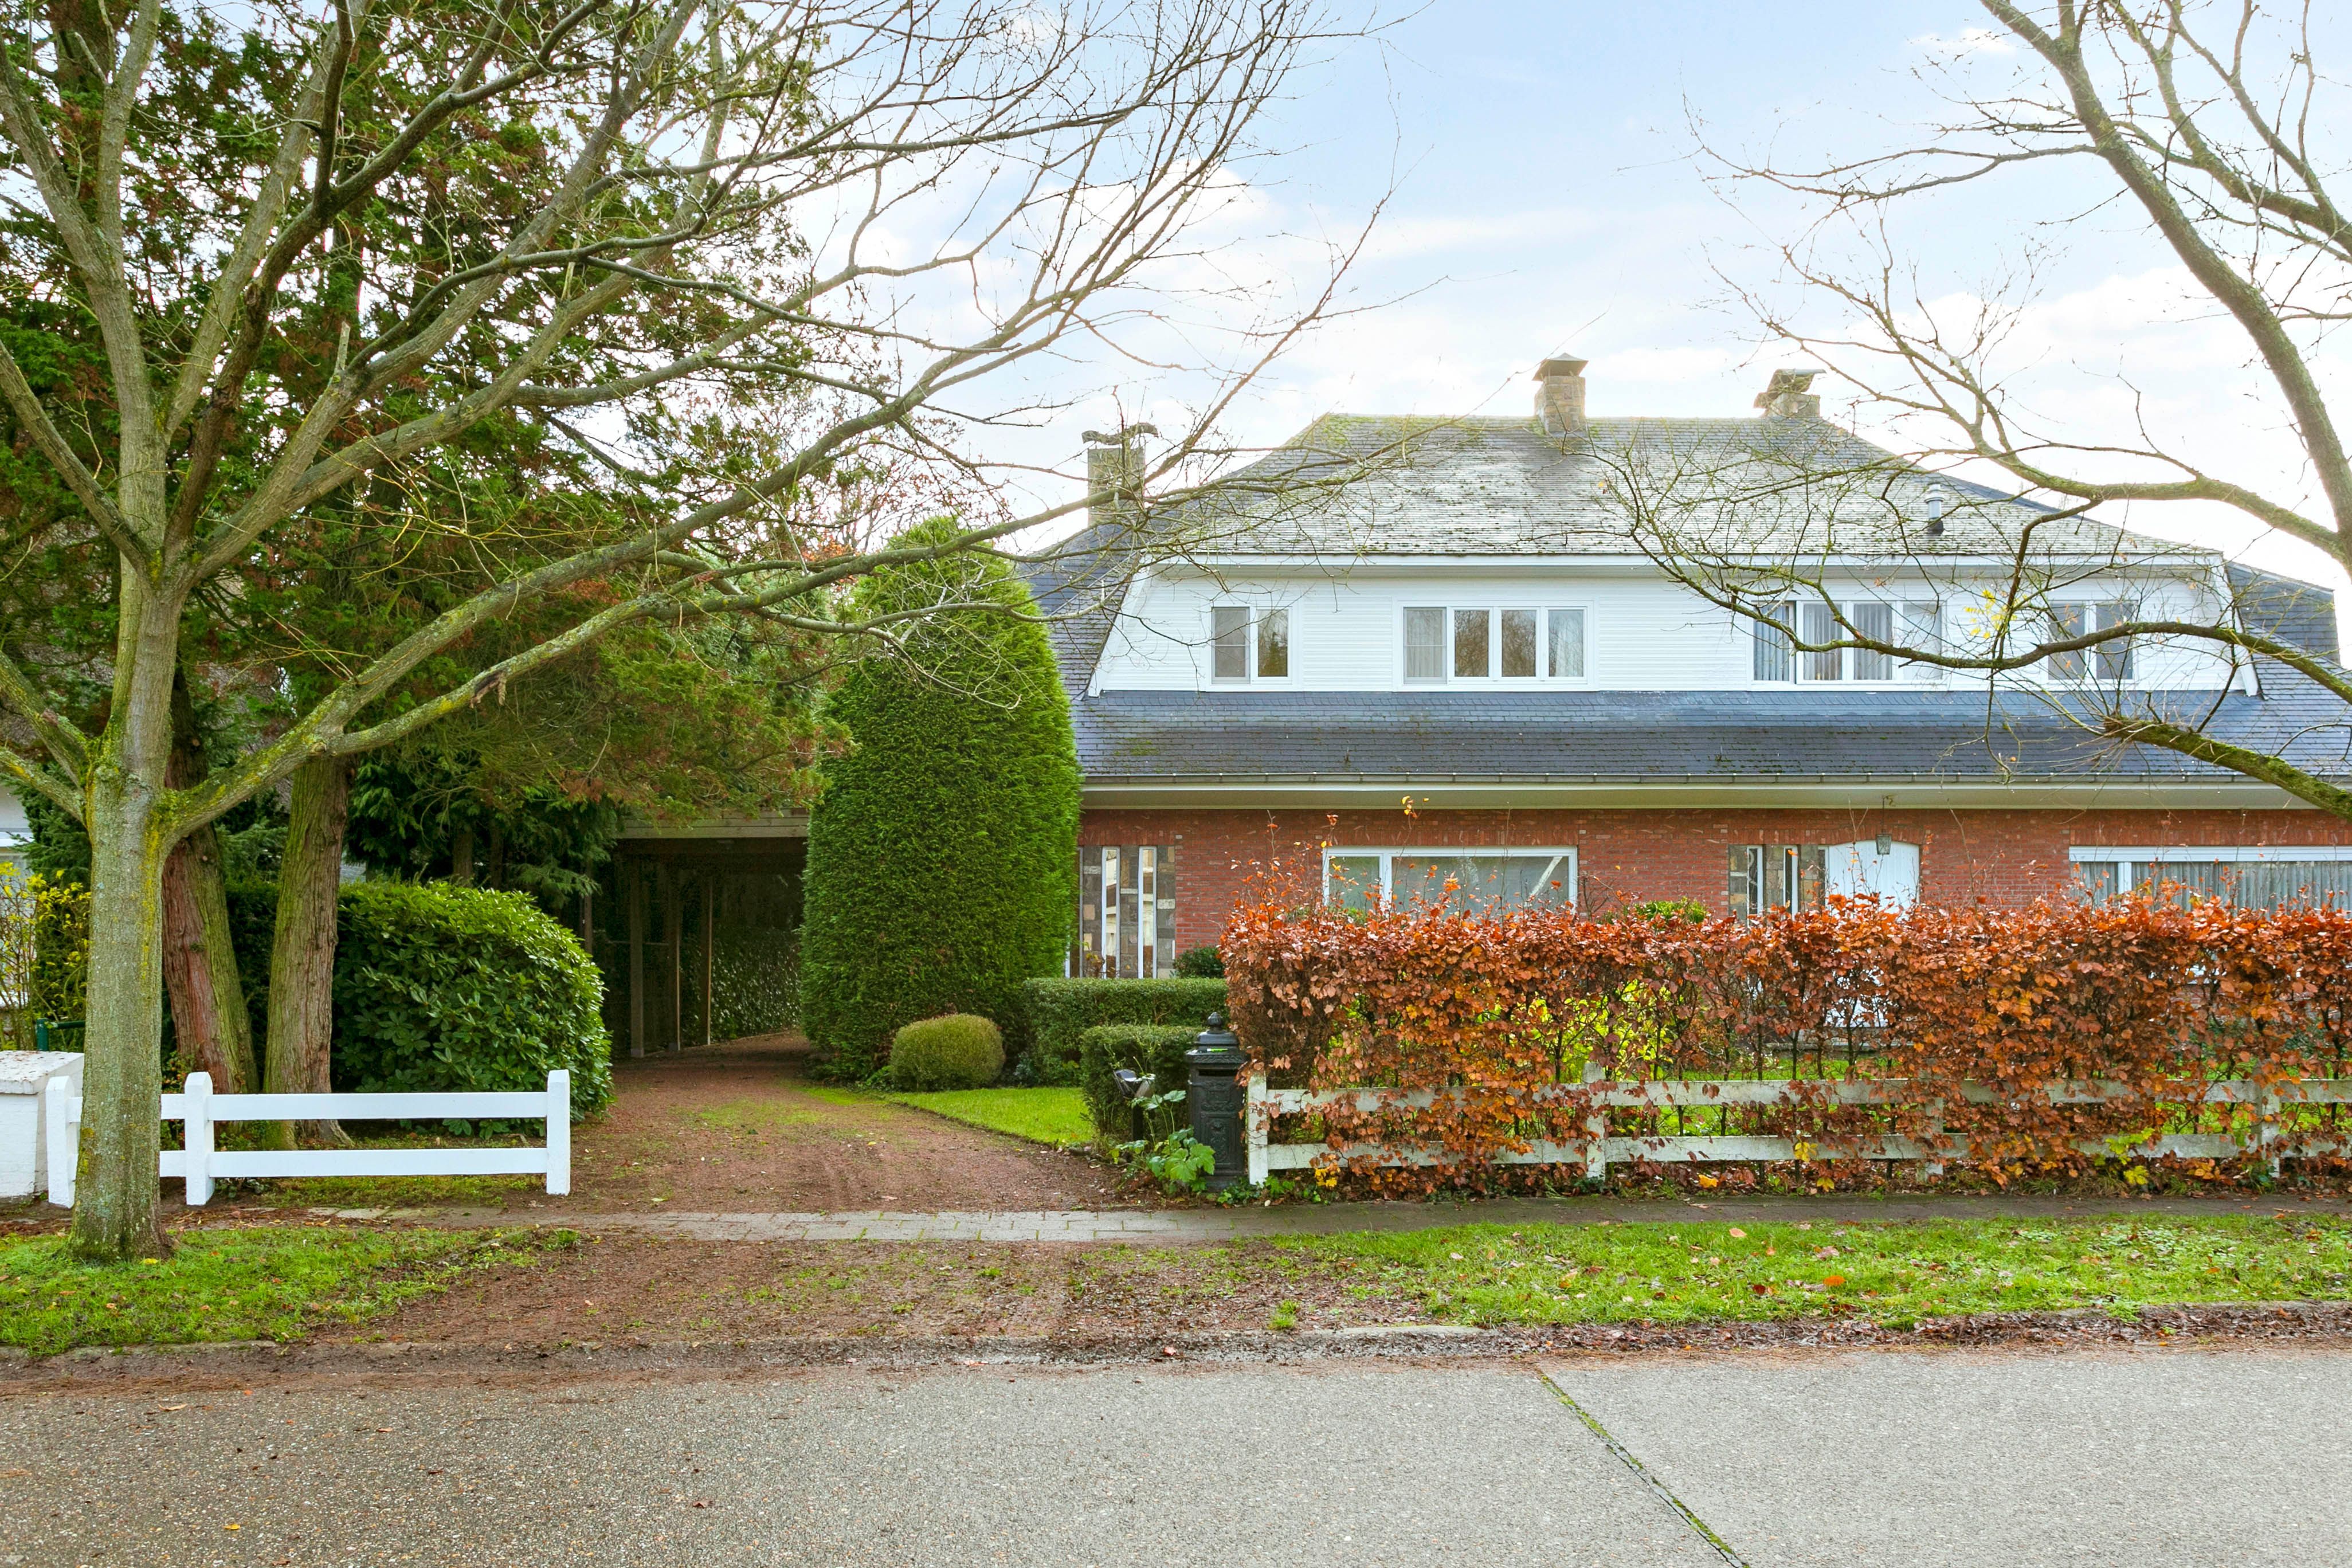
column 1247, row 644
column 1477, row 643
column 1917, row 623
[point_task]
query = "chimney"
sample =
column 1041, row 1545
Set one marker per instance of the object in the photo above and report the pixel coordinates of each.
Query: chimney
column 1786, row 397
column 1560, row 397
column 1115, row 473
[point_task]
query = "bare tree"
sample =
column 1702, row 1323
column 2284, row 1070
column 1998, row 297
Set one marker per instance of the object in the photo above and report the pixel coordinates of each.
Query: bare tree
column 2209, row 124
column 769, row 264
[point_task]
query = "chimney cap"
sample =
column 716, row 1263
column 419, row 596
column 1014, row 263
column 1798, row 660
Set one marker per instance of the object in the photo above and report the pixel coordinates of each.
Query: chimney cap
column 1118, row 438
column 1786, row 384
column 1558, row 366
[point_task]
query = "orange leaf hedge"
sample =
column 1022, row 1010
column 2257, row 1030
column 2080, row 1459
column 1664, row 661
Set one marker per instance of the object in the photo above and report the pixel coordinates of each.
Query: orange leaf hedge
column 1477, row 1032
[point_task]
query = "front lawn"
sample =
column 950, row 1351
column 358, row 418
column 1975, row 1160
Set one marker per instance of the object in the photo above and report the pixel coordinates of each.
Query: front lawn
column 1056, row 1116
column 273, row 1282
column 1889, row 1272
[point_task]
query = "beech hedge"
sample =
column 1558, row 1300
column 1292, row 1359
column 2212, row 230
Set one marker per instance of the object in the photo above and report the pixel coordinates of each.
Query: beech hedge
column 1502, row 1015
column 1056, row 1012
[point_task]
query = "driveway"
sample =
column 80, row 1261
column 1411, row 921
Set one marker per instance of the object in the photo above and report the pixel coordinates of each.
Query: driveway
column 2177, row 1458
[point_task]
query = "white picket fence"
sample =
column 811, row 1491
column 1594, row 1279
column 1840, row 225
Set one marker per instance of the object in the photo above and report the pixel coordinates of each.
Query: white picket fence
column 1599, row 1149
column 200, row 1164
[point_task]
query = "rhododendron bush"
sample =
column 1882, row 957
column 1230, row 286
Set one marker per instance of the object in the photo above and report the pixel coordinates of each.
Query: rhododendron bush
column 1480, row 1035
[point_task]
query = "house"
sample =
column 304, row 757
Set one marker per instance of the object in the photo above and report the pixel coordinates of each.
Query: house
column 1410, row 653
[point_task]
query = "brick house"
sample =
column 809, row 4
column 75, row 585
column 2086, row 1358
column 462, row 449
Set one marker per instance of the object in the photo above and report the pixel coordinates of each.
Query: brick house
column 1450, row 663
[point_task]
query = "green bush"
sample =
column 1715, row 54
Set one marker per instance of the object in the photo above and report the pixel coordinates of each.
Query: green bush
column 439, row 987
column 1056, row 1012
column 1155, row 1049
column 1201, row 963
column 958, row 1051
column 942, row 855
column 755, row 981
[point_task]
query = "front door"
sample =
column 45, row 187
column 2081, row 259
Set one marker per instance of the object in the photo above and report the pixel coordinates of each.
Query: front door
column 1861, row 869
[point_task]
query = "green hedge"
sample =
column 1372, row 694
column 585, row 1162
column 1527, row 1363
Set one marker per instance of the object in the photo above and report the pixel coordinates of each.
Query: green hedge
column 460, row 988
column 755, row 981
column 958, row 1051
column 1056, row 1012
column 1155, row 1049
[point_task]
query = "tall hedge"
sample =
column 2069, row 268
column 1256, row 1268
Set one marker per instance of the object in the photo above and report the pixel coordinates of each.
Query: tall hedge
column 942, row 854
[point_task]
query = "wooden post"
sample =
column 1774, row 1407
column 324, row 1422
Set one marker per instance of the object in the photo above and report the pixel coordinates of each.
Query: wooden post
column 674, row 939
column 633, row 874
column 709, row 944
column 559, row 1132
column 196, row 1127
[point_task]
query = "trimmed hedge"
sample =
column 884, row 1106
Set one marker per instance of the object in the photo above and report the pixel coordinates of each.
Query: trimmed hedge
column 942, row 855
column 1155, row 1049
column 1057, row 1012
column 961, row 1051
column 1201, row 963
column 755, row 983
column 461, row 988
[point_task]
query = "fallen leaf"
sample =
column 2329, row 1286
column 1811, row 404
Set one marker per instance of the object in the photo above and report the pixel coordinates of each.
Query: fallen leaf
column 1833, row 1281
column 1738, row 1234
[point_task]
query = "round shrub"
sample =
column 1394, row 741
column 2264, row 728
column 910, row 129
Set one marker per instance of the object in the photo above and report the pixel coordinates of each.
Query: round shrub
column 1201, row 963
column 942, row 854
column 958, row 1051
column 438, row 987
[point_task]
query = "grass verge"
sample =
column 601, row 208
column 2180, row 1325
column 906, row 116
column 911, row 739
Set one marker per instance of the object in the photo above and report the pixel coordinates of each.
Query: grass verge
column 1056, row 1116
column 1888, row 1272
column 273, row 1282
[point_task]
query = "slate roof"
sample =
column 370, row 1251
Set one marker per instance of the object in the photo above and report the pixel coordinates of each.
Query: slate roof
column 1350, row 488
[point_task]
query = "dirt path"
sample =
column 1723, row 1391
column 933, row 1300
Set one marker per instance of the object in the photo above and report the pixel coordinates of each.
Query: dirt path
column 740, row 1126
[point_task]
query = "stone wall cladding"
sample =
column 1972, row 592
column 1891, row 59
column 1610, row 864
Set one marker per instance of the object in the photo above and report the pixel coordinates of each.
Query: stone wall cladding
column 1223, row 856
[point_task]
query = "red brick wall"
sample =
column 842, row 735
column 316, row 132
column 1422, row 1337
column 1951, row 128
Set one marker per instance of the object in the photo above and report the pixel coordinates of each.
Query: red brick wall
column 2001, row 856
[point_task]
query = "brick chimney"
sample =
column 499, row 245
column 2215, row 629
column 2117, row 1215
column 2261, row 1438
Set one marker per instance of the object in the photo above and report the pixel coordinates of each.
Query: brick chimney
column 1560, row 397
column 1114, row 472
column 1785, row 397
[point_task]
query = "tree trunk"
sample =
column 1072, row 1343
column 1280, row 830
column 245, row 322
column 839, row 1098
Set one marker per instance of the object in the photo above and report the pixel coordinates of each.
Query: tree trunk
column 302, row 954
column 199, row 974
column 115, row 1209
column 461, row 857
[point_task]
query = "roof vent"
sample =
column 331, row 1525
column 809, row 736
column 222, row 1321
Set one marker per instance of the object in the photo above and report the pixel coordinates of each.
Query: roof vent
column 1938, row 499
column 1786, row 397
column 1559, row 395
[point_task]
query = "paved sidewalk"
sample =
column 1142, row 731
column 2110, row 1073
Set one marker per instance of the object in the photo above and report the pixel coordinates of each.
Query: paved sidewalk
column 1214, row 1225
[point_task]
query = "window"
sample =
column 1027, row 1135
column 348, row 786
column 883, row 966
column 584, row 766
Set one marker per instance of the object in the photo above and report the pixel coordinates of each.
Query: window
column 1768, row 876
column 1444, row 644
column 1915, row 623
column 1474, row 881
column 1241, row 644
column 2108, row 661
column 1567, row 649
column 2113, row 660
column 2067, row 621
column 2258, row 876
column 1424, row 645
column 1126, row 911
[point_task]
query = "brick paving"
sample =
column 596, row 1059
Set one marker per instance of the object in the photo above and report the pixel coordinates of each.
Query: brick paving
column 1177, row 1227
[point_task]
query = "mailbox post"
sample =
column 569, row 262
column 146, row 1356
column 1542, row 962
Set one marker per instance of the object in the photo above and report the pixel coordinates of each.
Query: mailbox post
column 1214, row 1096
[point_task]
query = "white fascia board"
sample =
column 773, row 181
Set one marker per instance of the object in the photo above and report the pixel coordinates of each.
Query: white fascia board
column 1388, row 565
column 1461, row 793
column 2240, row 854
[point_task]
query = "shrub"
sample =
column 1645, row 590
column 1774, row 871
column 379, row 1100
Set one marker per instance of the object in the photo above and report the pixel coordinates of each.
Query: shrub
column 439, row 987
column 1201, row 963
column 1056, row 1012
column 1493, row 1018
column 1154, row 1048
column 942, row 858
column 961, row 1051
column 755, row 981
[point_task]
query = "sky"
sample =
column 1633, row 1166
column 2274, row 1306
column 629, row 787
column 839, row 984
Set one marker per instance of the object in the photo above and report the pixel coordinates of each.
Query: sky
column 1543, row 197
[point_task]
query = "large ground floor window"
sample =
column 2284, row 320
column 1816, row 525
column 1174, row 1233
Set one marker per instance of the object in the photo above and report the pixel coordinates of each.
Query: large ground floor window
column 1477, row 882
column 2257, row 876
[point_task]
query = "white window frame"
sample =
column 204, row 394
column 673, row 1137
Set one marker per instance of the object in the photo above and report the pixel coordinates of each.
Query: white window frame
column 1251, row 651
column 1493, row 679
column 1907, row 672
column 1566, row 854
column 2099, row 659
column 2131, row 861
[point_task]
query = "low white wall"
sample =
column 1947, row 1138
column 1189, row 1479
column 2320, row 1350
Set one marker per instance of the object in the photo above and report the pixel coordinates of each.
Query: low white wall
column 24, row 1140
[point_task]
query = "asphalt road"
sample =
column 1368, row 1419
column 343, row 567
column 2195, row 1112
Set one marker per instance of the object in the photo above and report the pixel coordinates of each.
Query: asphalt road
column 2175, row 1457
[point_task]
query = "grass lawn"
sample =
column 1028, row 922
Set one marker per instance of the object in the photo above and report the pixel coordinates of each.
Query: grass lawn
column 1892, row 1273
column 1057, row 1116
column 266, row 1283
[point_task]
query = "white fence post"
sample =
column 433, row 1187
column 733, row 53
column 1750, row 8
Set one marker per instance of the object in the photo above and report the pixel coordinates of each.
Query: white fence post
column 197, row 1138
column 559, row 1132
column 63, row 1134
column 1253, row 1127
column 1596, row 1129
